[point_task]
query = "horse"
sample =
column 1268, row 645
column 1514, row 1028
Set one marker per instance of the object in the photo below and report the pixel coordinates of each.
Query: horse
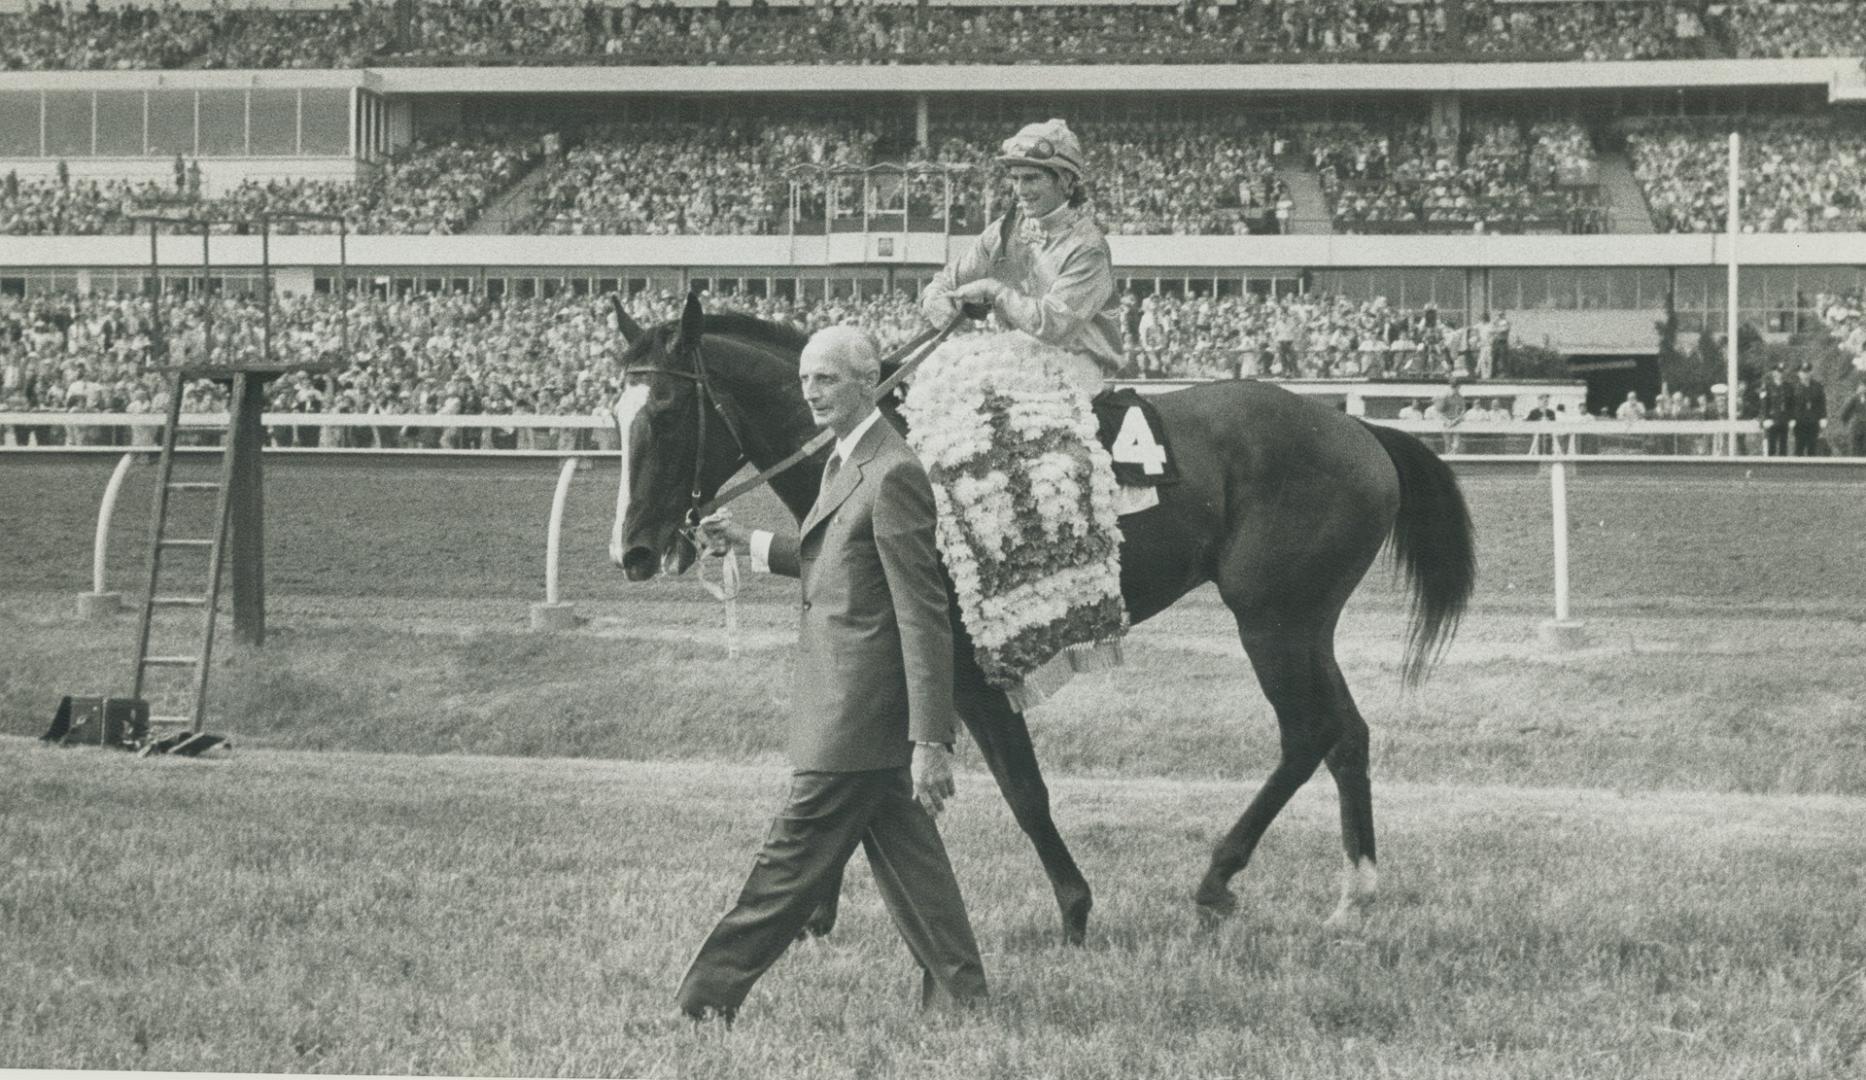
column 1282, row 502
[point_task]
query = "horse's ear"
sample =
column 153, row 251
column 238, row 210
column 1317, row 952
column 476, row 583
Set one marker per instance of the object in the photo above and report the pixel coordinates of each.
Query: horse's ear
column 691, row 320
column 627, row 327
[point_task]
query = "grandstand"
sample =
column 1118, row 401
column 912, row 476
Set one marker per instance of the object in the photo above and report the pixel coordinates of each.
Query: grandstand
column 1328, row 189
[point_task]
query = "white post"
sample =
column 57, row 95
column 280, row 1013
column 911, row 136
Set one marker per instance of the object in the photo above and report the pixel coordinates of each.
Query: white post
column 1734, row 226
column 1561, row 632
column 552, row 614
column 1558, row 497
column 98, row 603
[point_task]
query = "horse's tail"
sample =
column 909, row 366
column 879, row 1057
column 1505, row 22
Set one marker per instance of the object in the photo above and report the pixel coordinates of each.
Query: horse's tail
column 1433, row 545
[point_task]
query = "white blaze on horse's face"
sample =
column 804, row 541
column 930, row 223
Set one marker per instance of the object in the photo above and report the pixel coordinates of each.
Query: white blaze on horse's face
column 628, row 410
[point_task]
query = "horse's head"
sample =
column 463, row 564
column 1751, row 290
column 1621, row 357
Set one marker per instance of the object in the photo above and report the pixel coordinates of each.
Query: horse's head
column 683, row 421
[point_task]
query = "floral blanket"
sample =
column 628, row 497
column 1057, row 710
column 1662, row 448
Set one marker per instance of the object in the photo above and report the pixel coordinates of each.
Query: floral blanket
column 1025, row 494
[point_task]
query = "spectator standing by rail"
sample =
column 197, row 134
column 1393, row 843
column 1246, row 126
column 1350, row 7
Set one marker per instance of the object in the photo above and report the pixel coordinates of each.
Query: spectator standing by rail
column 1776, row 408
column 1810, row 411
column 1853, row 415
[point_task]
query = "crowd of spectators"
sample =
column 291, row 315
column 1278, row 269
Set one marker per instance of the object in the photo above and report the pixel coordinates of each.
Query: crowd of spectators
column 1402, row 180
column 445, row 353
column 67, row 207
column 66, row 35
column 434, row 186
column 1844, row 316
column 687, row 177
column 1798, row 28
column 1307, row 336
column 1595, row 31
column 1799, row 174
column 1209, row 176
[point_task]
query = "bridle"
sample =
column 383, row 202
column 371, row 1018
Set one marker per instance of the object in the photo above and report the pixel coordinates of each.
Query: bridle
column 702, row 396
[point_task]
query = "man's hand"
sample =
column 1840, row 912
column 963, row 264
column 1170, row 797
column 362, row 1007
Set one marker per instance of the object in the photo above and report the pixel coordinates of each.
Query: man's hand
column 938, row 308
column 721, row 533
column 932, row 772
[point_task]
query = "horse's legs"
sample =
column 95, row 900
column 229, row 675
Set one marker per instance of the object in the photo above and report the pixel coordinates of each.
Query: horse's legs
column 1348, row 763
column 1004, row 739
column 1296, row 667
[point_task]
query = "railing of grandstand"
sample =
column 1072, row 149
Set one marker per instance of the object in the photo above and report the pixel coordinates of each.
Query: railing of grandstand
column 595, row 436
column 1050, row 59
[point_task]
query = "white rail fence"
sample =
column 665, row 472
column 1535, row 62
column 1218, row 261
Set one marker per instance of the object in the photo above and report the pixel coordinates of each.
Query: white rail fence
column 1554, row 446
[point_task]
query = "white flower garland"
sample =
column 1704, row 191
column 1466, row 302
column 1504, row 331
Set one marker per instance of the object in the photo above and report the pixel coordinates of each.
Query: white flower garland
column 1025, row 494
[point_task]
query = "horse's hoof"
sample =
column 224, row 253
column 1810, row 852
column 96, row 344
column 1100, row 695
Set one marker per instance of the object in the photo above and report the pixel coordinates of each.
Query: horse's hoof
column 1075, row 920
column 1349, row 918
column 1216, row 906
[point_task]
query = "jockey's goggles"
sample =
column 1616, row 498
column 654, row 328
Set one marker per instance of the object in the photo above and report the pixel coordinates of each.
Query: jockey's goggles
column 1021, row 147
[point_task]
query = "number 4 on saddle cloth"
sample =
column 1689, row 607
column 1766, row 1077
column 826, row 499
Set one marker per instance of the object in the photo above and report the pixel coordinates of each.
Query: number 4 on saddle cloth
column 1028, row 504
column 1129, row 426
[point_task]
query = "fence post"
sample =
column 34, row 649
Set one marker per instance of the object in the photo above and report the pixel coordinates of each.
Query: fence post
column 100, row 603
column 553, row 614
column 1561, row 632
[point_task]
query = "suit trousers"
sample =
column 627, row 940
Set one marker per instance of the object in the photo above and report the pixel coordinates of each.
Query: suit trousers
column 809, row 842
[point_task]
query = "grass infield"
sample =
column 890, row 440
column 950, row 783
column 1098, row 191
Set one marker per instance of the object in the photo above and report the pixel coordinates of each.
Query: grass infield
column 444, row 844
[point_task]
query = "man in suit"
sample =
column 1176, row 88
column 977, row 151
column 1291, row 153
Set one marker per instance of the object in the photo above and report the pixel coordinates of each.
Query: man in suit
column 1853, row 416
column 872, row 716
column 1810, row 411
column 1776, row 400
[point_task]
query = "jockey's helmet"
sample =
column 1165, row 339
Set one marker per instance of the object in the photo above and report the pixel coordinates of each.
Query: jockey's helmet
column 1048, row 145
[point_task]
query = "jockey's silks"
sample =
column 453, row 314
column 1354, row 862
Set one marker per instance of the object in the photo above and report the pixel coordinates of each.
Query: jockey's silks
column 1059, row 278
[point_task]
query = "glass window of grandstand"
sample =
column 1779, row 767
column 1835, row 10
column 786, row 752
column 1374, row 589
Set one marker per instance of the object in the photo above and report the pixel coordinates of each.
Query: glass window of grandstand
column 525, row 288
column 171, row 122
column 12, row 286
column 325, row 123
column 1698, row 298
column 757, row 288
column 223, row 123
column 68, row 123
column 842, row 288
column 784, row 288
column 811, row 290
column 120, row 123
column 275, row 122
column 19, row 123
column 495, row 288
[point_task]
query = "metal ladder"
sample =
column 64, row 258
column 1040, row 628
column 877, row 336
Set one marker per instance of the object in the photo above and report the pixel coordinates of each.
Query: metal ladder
column 161, row 544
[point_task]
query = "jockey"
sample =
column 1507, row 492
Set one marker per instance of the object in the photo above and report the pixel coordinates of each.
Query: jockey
column 1044, row 267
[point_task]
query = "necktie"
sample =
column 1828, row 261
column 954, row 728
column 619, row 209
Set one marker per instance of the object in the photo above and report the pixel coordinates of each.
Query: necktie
column 830, row 470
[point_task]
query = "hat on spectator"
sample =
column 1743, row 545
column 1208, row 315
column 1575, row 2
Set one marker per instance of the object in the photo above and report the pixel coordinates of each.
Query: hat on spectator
column 1048, row 145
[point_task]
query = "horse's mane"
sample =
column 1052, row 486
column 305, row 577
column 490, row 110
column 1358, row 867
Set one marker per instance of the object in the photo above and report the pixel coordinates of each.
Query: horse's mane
column 774, row 335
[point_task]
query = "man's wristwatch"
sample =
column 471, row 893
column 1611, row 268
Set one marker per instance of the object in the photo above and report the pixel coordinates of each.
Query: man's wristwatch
column 946, row 746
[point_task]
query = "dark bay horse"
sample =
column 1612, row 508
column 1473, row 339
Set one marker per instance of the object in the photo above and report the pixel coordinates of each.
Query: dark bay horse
column 1283, row 503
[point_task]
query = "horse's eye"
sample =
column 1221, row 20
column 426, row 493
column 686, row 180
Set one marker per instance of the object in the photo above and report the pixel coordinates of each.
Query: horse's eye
column 663, row 392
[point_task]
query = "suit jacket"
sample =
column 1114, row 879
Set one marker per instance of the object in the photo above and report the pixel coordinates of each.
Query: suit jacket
column 1810, row 402
column 1778, row 401
column 874, row 649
